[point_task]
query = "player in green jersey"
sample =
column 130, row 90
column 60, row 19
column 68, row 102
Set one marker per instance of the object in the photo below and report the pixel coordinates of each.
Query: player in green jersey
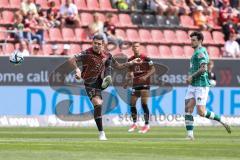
column 197, row 92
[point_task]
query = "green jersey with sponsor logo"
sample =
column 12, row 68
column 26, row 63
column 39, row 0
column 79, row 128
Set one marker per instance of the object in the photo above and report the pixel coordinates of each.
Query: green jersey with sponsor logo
column 200, row 56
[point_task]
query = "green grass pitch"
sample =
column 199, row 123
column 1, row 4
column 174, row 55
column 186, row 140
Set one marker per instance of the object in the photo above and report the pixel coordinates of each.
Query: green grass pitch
column 163, row 143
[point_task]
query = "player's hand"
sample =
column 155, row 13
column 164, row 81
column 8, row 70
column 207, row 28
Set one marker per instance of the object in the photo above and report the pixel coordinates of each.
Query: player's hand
column 78, row 74
column 189, row 79
column 143, row 78
column 137, row 61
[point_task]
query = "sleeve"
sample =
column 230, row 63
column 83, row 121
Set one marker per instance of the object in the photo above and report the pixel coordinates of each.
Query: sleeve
column 79, row 57
column 202, row 57
column 75, row 10
column 149, row 61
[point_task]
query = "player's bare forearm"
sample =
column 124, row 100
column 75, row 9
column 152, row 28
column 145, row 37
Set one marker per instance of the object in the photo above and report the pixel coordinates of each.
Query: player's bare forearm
column 122, row 65
column 201, row 70
column 151, row 72
column 128, row 79
column 73, row 63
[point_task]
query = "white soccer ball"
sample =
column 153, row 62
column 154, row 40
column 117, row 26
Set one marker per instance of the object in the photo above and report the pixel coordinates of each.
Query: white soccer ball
column 16, row 57
column 212, row 82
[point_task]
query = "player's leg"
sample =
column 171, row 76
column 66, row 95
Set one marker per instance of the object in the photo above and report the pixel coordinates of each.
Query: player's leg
column 201, row 100
column 189, row 107
column 97, row 103
column 144, row 101
column 133, row 110
column 95, row 96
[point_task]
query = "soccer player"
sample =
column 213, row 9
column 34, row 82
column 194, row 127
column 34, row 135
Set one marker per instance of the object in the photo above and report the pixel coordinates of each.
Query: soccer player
column 197, row 92
column 96, row 63
column 140, row 75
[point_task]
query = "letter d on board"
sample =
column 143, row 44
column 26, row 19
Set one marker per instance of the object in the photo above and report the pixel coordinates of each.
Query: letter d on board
column 30, row 93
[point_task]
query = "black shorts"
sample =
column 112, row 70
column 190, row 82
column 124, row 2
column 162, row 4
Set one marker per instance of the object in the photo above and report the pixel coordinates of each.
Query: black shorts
column 136, row 90
column 94, row 89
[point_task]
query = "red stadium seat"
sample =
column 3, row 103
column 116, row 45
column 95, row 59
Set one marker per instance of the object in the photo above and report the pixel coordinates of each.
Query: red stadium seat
column 115, row 19
column 46, row 36
column 68, row 34
column 7, row 17
column 218, row 37
column 55, row 34
column 4, row 4
column 43, row 3
column 106, row 5
column 101, row 17
column 187, row 21
column 15, row 3
column 213, row 52
column 128, row 52
column 86, row 19
column 158, row 37
column 81, row 4
column 3, row 35
column 183, row 37
column 9, row 48
column 86, row 46
column 188, row 50
column 47, row 49
column 121, row 34
column 81, row 34
column 177, row 52
column 153, row 51
column 125, row 20
column 132, row 35
column 92, row 4
column 207, row 38
column 170, row 36
column 145, row 35
column 165, row 52
column 75, row 49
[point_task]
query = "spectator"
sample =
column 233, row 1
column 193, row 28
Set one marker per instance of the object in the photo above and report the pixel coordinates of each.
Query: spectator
column 165, row 7
column 37, row 31
column 109, row 30
column 97, row 28
column 54, row 49
column 66, row 48
column 28, row 5
column 122, row 5
column 20, row 32
column 69, row 14
column 212, row 14
column 181, row 7
column 150, row 5
column 22, row 48
column 36, row 50
column 53, row 15
column 200, row 19
column 195, row 3
column 231, row 47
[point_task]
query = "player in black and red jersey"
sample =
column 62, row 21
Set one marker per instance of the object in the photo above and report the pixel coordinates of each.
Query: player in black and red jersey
column 140, row 75
column 96, row 67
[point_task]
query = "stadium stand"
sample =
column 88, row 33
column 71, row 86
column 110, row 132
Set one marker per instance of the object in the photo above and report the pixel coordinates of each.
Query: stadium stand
column 167, row 36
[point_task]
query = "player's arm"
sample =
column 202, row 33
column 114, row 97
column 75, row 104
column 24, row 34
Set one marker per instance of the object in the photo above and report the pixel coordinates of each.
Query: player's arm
column 128, row 79
column 126, row 64
column 73, row 63
column 200, row 71
column 151, row 70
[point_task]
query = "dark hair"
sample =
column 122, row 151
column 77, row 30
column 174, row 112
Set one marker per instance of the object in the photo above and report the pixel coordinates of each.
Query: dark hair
column 98, row 37
column 199, row 35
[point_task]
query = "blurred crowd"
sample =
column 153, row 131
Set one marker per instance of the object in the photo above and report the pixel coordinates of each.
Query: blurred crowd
column 31, row 21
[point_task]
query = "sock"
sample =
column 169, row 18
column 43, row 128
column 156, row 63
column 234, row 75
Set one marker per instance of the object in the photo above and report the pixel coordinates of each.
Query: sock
column 212, row 115
column 98, row 117
column 146, row 113
column 134, row 113
column 189, row 123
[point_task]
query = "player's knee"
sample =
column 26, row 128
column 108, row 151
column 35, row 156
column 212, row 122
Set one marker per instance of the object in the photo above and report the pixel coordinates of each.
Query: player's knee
column 97, row 101
column 201, row 112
